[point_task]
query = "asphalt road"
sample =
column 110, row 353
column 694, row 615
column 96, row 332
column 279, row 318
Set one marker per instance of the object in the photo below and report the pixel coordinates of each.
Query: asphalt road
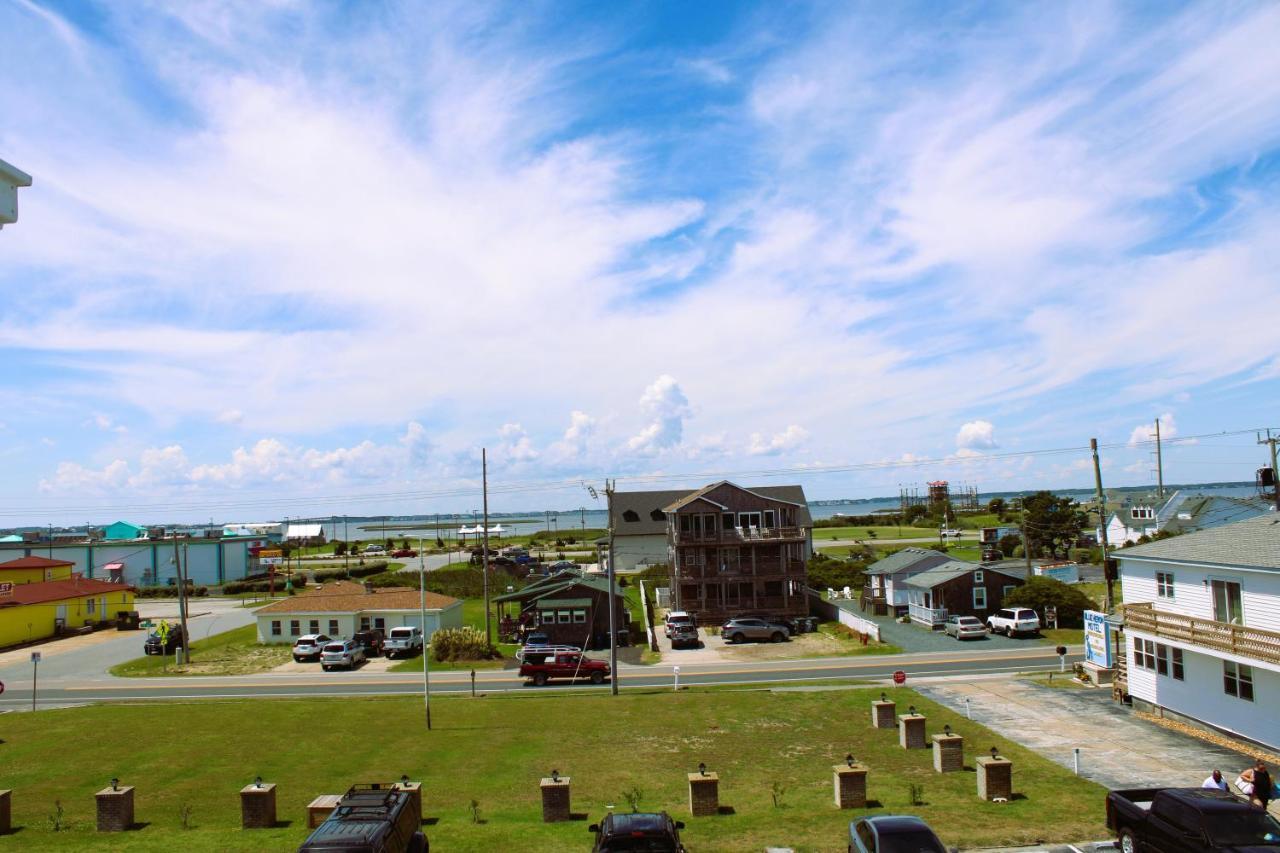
column 880, row 668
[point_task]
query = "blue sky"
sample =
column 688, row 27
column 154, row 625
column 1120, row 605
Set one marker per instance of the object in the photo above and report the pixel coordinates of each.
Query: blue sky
column 277, row 253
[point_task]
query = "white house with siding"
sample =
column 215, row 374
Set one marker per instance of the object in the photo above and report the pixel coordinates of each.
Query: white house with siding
column 1202, row 626
column 341, row 608
column 886, row 578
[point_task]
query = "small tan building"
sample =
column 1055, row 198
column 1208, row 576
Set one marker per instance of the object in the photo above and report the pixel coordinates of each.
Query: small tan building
column 341, row 608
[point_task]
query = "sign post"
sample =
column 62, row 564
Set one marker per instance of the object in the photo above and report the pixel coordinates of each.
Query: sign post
column 1098, row 659
column 899, row 677
column 35, row 672
column 6, row 589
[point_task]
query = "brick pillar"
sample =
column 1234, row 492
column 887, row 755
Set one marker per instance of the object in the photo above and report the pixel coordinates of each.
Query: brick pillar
column 414, row 790
column 948, row 753
column 6, row 815
column 882, row 714
column 555, row 799
column 258, row 806
column 704, row 794
column 995, row 778
column 911, row 731
column 850, row 786
column 115, row 808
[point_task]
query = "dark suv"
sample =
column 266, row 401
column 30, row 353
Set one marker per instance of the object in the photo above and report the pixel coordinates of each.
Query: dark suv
column 647, row 832
column 371, row 640
column 373, row 818
column 153, row 646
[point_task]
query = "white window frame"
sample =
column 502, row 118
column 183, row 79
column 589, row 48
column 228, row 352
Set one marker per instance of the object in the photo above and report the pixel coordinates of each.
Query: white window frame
column 333, row 627
column 579, row 615
column 977, row 576
column 976, row 591
column 276, row 630
column 91, row 606
column 1007, row 588
column 295, row 628
column 1164, row 585
column 564, row 617
column 1235, row 678
column 313, row 626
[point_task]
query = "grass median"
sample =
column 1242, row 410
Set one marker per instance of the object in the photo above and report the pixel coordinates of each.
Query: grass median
column 492, row 751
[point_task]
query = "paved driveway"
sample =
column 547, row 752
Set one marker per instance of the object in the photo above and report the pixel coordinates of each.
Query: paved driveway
column 1117, row 749
column 915, row 638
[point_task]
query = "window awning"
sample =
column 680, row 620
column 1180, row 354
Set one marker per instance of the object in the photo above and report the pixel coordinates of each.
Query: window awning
column 114, row 567
column 545, row 604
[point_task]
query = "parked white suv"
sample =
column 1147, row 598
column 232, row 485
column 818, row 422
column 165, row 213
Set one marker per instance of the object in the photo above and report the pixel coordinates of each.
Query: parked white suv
column 344, row 654
column 678, row 618
column 1016, row 620
column 308, row 646
column 406, row 640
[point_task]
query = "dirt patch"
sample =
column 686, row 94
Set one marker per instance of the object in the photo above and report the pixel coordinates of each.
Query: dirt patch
column 802, row 645
column 233, row 660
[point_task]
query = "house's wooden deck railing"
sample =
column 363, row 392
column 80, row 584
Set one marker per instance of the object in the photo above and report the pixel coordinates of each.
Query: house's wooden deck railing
column 740, row 535
column 1221, row 636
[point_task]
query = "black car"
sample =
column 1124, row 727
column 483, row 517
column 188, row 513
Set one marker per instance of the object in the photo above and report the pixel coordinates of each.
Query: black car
column 153, row 646
column 643, row 831
column 373, row 818
column 893, row 834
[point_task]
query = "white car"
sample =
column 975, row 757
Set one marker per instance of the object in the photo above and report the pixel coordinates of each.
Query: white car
column 374, row 549
column 344, row 654
column 1014, row 620
column 308, row 646
column 405, row 640
column 949, row 533
column 679, row 618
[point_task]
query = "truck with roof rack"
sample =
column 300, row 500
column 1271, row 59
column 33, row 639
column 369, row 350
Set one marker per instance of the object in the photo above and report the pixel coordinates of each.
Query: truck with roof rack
column 370, row 818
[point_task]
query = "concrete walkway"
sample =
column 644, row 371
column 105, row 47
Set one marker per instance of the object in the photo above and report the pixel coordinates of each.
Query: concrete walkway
column 1117, row 749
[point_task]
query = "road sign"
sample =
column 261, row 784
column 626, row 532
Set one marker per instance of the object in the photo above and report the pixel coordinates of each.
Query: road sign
column 6, row 589
column 35, row 657
column 899, row 677
column 163, row 631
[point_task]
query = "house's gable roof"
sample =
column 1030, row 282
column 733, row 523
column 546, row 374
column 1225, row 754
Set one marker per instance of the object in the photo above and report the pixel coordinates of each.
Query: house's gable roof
column 1252, row 543
column 652, row 521
column 949, row 571
column 557, row 584
column 1201, row 512
column 348, row 597
column 34, row 562
column 38, row 593
column 908, row 558
column 702, row 493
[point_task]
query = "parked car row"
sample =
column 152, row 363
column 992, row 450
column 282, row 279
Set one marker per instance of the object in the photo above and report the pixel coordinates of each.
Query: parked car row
column 1010, row 621
column 337, row 653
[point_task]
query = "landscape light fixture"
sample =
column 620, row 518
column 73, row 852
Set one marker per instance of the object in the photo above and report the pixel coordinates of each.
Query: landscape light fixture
column 555, row 775
column 404, row 778
column 702, row 768
column 883, row 698
column 848, row 759
column 911, row 709
column 257, row 781
column 995, row 753
column 946, row 730
column 115, row 783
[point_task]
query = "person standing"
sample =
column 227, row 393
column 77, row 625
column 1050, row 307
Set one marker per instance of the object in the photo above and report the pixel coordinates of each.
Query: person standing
column 1263, row 789
column 1215, row 781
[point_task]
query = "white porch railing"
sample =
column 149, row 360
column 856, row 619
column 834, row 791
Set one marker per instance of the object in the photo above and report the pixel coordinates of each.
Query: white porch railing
column 927, row 615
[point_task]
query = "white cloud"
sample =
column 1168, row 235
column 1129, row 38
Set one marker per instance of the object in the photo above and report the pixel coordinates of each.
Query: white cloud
column 1147, row 432
column 104, row 423
column 231, row 417
column 976, row 435
column 516, row 446
column 668, row 407
column 786, row 440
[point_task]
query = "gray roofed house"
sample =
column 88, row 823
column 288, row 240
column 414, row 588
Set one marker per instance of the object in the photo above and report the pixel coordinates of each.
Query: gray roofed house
column 906, row 559
column 885, row 590
column 1253, row 544
column 958, row 588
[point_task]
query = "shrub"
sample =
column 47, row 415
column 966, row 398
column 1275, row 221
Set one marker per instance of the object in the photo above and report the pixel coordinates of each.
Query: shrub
column 364, row 570
column 1038, row 592
column 452, row 644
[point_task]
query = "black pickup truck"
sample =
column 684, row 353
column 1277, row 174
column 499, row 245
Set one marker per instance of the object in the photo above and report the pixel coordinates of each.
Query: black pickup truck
column 1189, row 820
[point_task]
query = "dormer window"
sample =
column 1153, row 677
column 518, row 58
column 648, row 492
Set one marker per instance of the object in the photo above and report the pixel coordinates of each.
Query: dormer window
column 1143, row 513
column 658, row 515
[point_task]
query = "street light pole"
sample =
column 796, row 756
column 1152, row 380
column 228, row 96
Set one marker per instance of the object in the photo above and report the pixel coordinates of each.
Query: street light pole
column 426, row 664
column 484, row 480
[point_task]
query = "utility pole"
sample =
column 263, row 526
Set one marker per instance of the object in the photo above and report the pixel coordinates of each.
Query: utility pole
column 1026, row 542
column 1159, row 464
column 1109, row 603
column 613, row 607
column 1272, row 441
column 426, row 655
column 182, row 600
column 484, row 481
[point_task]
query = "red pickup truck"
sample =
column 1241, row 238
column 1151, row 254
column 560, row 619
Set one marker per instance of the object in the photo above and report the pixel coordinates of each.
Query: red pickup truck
column 564, row 665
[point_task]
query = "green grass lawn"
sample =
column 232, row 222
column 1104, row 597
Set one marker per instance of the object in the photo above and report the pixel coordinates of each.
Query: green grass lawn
column 234, row 652
column 826, row 534
column 494, row 750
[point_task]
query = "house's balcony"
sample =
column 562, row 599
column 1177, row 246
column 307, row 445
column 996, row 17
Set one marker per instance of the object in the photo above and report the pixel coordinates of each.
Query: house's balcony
column 740, row 535
column 931, row 616
column 763, row 567
column 1253, row 643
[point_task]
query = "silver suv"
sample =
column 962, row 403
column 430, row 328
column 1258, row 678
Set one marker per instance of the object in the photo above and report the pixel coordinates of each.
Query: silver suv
column 343, row 654
column 750, row 628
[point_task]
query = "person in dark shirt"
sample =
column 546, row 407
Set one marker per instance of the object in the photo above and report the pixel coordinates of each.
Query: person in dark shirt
column 1263, row 788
